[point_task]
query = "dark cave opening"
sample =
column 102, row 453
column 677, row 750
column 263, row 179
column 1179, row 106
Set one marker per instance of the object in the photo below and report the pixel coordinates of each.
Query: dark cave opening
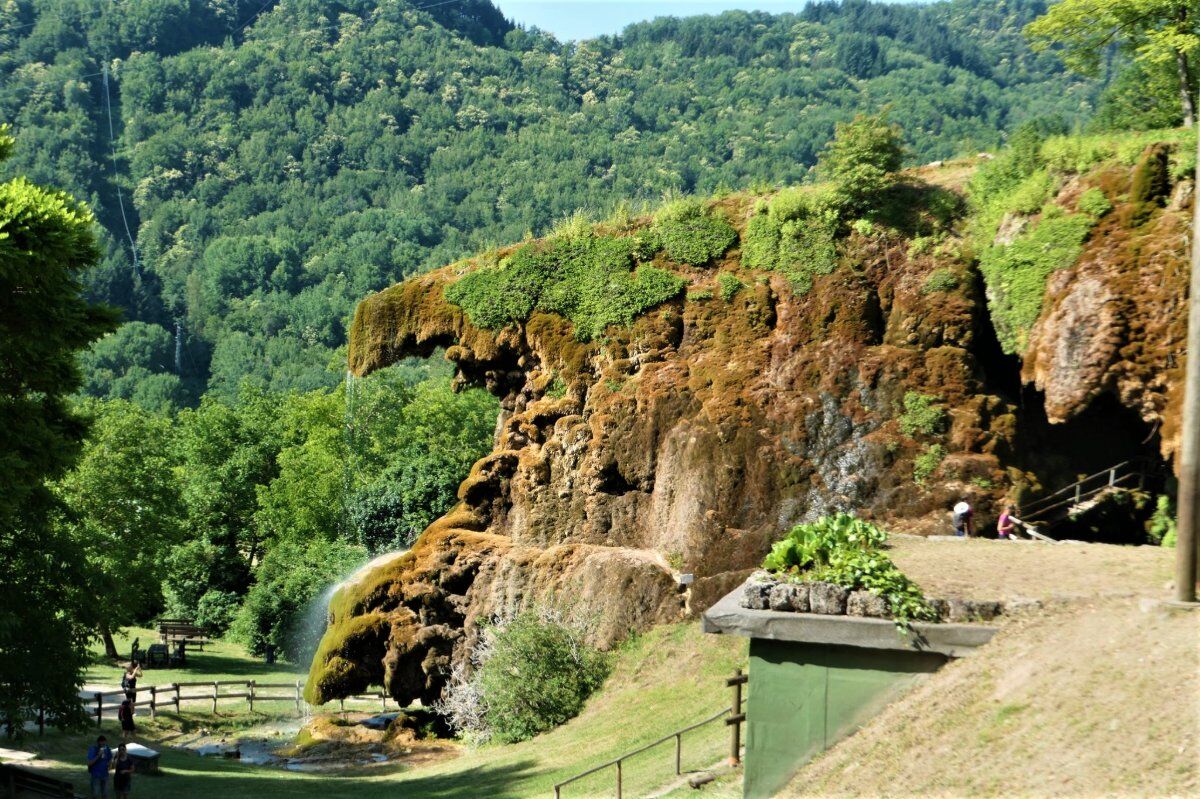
column 1104, row 435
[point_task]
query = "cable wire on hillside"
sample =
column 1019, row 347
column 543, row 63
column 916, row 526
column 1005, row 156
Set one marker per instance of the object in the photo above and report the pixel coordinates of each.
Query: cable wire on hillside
column 120, row 196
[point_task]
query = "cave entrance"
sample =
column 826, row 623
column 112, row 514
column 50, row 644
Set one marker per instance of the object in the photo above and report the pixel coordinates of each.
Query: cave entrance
column 1090, row 444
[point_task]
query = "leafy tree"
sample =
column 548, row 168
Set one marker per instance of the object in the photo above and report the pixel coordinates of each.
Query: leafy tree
column 1151, row 31
column 125, row 512
column 47, row 607
column 135, row 364
column 225, row 453
column 862, row 160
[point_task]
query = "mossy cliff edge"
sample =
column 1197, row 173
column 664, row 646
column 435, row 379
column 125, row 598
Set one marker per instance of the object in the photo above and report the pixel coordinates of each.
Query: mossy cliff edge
column 737, row 368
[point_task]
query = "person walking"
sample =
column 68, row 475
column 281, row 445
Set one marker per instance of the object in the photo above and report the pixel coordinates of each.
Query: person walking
column 963, row 520
column 129, row 680
column 98, row 758
column 122, row 773
column 125, row 716
column 1005, row 526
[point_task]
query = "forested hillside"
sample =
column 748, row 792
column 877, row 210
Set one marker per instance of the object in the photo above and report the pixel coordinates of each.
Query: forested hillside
column 270, row 164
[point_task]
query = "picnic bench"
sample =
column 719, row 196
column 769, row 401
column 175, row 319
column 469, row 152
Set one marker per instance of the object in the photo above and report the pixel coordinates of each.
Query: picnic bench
column 176, row 631
column 16, row 782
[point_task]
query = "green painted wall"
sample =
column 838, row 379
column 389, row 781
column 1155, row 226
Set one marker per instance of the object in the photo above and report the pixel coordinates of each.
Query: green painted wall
column 805, row 697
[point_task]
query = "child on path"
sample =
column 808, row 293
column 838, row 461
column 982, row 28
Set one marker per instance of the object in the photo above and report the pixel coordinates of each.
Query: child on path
column 125, row 716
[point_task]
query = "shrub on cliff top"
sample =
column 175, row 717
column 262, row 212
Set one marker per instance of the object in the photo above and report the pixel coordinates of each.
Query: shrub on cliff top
column 847, row 551
column 587, row 279
column 690, row 235
column 794, row 235
column 862, row 161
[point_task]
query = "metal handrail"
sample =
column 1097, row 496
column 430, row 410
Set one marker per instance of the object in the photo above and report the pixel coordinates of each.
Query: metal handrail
column 1048, row 502
column 677, row 735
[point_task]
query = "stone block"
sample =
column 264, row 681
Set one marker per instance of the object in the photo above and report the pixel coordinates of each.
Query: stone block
column 827, row 598
column 867, row 603
column 790, row 597
column 756, row 595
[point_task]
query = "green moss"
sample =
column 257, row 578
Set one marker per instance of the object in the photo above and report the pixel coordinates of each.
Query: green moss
column 700, row 295
column 1016, row 273
column 940, row 280
column 585, row 278
column 1094, row 202
column 923, row 414
column 692, row 235
column 729, row 285
column 557, row 388
column 925, row 464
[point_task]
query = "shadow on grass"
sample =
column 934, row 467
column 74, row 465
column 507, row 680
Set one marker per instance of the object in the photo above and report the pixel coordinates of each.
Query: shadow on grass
column 193, row 777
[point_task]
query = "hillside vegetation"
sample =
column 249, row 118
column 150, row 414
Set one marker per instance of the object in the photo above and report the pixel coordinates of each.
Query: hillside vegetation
column 279, row 162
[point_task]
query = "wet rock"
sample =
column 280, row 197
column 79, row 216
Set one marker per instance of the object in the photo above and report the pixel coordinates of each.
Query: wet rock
column 827, row 598
column 789, row 597
column 756, row 596
column 867, row 603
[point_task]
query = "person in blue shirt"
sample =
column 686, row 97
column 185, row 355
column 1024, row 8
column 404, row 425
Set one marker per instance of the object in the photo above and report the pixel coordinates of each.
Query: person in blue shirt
column 98, row 758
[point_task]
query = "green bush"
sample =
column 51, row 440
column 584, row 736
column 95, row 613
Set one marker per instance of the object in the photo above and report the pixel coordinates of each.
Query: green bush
column 847, row 551
column 587, row 279
column 690, row 234
column 729, row 285
column 216, row 610
column 536, row 676
column 925, row 464
column 1161, row 528
column 923, row 415
column 1094, row 202
column 795, row 236
column 700, row 295
column 940, row 280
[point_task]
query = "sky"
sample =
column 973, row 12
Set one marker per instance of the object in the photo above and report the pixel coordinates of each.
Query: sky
column 583, row 19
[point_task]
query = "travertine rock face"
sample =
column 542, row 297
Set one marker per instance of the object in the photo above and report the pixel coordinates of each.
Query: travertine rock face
column 1116, row 320
column 685, row 443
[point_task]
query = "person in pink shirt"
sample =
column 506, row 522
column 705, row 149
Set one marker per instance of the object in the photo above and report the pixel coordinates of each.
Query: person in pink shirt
column 1005, row 524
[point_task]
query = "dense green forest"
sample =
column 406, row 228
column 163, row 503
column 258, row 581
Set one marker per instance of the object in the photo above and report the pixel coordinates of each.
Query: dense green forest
column 272, row 164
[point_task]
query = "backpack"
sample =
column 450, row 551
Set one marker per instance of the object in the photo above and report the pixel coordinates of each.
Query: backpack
column 125, row 682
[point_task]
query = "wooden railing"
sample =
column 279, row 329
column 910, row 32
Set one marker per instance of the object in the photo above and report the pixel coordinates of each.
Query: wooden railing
column 23, row 782
column 174, row 694
column 1122, row 475
column 735, row 719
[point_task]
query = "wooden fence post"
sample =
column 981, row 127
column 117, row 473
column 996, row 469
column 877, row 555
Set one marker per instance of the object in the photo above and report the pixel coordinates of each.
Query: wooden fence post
column 383, row 696
column 618, row 779
column 736, row 717
column 42, row 720
column 342, row 703
column 678, row 753
column 153, row 702
column 175, row 685
column 214, row 698
column 250, row 690
column 99, row 707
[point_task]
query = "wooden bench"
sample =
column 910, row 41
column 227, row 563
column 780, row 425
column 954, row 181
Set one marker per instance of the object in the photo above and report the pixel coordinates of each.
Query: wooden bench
column 174, row 631
column 16, row 781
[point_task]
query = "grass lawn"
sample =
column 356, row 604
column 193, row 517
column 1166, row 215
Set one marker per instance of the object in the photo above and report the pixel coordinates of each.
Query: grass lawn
column 663, row 680
column 220, row 660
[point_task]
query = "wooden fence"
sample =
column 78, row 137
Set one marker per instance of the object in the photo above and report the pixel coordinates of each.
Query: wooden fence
column 160, row 697
column 179, row 692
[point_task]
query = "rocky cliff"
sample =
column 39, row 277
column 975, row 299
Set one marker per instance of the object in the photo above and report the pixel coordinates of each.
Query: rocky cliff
column 682, row 441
